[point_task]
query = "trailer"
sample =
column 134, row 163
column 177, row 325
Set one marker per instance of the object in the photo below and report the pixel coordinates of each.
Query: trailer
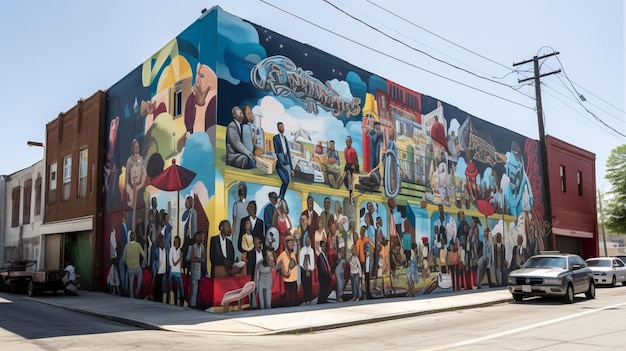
column 15, row 276
column 50, row 280
column 20, row 276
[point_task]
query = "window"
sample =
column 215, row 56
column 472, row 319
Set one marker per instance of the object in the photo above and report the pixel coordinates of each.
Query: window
column 562, row 175
column 52, row 184
column 579, row 179
column 38, row 195
column 28, row 186
column 15, row 207
column 82, row 173
column 178, row 100
column 67, row 177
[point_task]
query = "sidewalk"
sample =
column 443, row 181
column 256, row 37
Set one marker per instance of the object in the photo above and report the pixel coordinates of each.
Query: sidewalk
column 152, row 315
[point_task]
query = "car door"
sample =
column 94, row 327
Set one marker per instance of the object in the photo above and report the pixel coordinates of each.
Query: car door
column 620, row 270
column 579, row 274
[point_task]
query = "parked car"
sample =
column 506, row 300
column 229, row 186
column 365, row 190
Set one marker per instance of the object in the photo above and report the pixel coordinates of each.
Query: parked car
column 607, row 270
column 554, row 275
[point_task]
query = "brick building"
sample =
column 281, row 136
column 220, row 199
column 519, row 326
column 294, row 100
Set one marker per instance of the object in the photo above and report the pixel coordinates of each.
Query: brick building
column 72, row 220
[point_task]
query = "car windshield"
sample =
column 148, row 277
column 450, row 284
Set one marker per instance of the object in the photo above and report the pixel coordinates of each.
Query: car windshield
column 546, row 262
column 599, row 263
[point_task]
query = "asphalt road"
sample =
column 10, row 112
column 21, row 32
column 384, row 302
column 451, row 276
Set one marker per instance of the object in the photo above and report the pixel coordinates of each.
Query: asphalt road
column 535, row 324
column 23, row 321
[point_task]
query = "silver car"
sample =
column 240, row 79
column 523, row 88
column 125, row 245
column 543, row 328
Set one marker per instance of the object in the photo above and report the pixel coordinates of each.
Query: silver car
column 557, row 275
column 607, row 270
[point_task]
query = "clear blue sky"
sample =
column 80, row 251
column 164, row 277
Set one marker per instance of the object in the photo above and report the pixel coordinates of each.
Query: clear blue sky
column 57, row 52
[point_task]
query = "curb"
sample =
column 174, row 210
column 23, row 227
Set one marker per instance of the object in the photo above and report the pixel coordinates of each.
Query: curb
column 111, row 317
column 383, row 318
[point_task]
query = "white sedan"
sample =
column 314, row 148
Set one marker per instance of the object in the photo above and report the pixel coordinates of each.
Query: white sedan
column 607, row 270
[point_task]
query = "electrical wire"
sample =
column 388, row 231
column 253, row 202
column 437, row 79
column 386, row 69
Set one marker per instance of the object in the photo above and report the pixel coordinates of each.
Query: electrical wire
column 592, row 120
column 414, row 48
column 593, row 114
column 599, row 98
column 374, row 20
column 576, row 100
column 438, row 36
column 393, row 57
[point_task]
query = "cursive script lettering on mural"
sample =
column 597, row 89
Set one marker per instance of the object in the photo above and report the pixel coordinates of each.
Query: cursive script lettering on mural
column 281, row 76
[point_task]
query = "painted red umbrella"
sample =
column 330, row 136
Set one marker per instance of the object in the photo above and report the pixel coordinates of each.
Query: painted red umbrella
column 174, row 178
column 485, row 208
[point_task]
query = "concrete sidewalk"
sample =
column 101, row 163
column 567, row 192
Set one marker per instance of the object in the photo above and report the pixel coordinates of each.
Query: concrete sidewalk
column 152, row 315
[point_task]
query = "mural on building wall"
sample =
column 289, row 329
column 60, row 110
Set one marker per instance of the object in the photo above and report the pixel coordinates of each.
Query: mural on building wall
column 316, row 179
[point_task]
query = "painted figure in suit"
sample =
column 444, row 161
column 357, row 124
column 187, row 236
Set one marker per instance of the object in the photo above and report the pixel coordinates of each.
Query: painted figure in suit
column 323, row 274
column 519, row 255
column 190, row 218
column 222, row 251
column 311, row 215
column 237, row 155
column 257, row 225
column 283, row 163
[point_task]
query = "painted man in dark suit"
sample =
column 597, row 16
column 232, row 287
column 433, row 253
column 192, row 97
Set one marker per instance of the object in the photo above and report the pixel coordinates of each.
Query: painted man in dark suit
column 222, row 252
column 323, row 274
column 283, row 163
column 311, row 215
column 256, row 223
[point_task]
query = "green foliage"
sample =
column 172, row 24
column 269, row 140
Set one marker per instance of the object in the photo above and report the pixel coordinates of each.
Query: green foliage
column 616, row 203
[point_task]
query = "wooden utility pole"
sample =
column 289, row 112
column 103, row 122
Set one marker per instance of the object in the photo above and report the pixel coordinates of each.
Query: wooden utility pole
column 602, row 222
column 542, row 134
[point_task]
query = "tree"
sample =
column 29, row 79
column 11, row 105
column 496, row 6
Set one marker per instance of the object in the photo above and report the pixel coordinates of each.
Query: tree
column 616, row 204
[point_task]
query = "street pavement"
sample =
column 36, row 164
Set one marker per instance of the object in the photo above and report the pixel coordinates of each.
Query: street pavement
column 285, row 320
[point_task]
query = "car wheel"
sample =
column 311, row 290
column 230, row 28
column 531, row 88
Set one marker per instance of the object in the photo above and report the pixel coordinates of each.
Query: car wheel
column 613, row 282
column 591, row 293
column 569, row 294
column 31, row 288
column 517, row 297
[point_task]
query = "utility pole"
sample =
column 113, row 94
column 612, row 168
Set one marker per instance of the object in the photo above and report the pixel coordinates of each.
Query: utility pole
column 542, row 134
column 602, row 222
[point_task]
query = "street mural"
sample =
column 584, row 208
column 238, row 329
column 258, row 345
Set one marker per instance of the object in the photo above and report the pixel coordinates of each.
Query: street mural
column 236, row 154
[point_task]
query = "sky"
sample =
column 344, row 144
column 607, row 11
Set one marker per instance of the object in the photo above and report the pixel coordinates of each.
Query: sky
column 57, row 52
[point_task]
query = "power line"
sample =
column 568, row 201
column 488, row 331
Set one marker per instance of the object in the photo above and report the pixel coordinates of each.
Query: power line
column 393, row 57
column 580, row 95
column 414, row 48
column 592, row 120
column 599, row 98
column 374, row 20
column 438, row 36
column 594, row 115
column 576, row 100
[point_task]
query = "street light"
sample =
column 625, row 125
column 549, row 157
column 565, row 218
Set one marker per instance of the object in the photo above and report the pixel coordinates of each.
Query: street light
column 34, row 143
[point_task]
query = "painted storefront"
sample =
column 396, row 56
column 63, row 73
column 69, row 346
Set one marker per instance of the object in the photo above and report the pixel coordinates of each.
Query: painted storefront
column 232, row 122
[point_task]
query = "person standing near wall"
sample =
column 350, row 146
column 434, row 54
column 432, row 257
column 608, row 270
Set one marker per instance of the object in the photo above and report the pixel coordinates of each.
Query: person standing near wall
column 133, row 254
